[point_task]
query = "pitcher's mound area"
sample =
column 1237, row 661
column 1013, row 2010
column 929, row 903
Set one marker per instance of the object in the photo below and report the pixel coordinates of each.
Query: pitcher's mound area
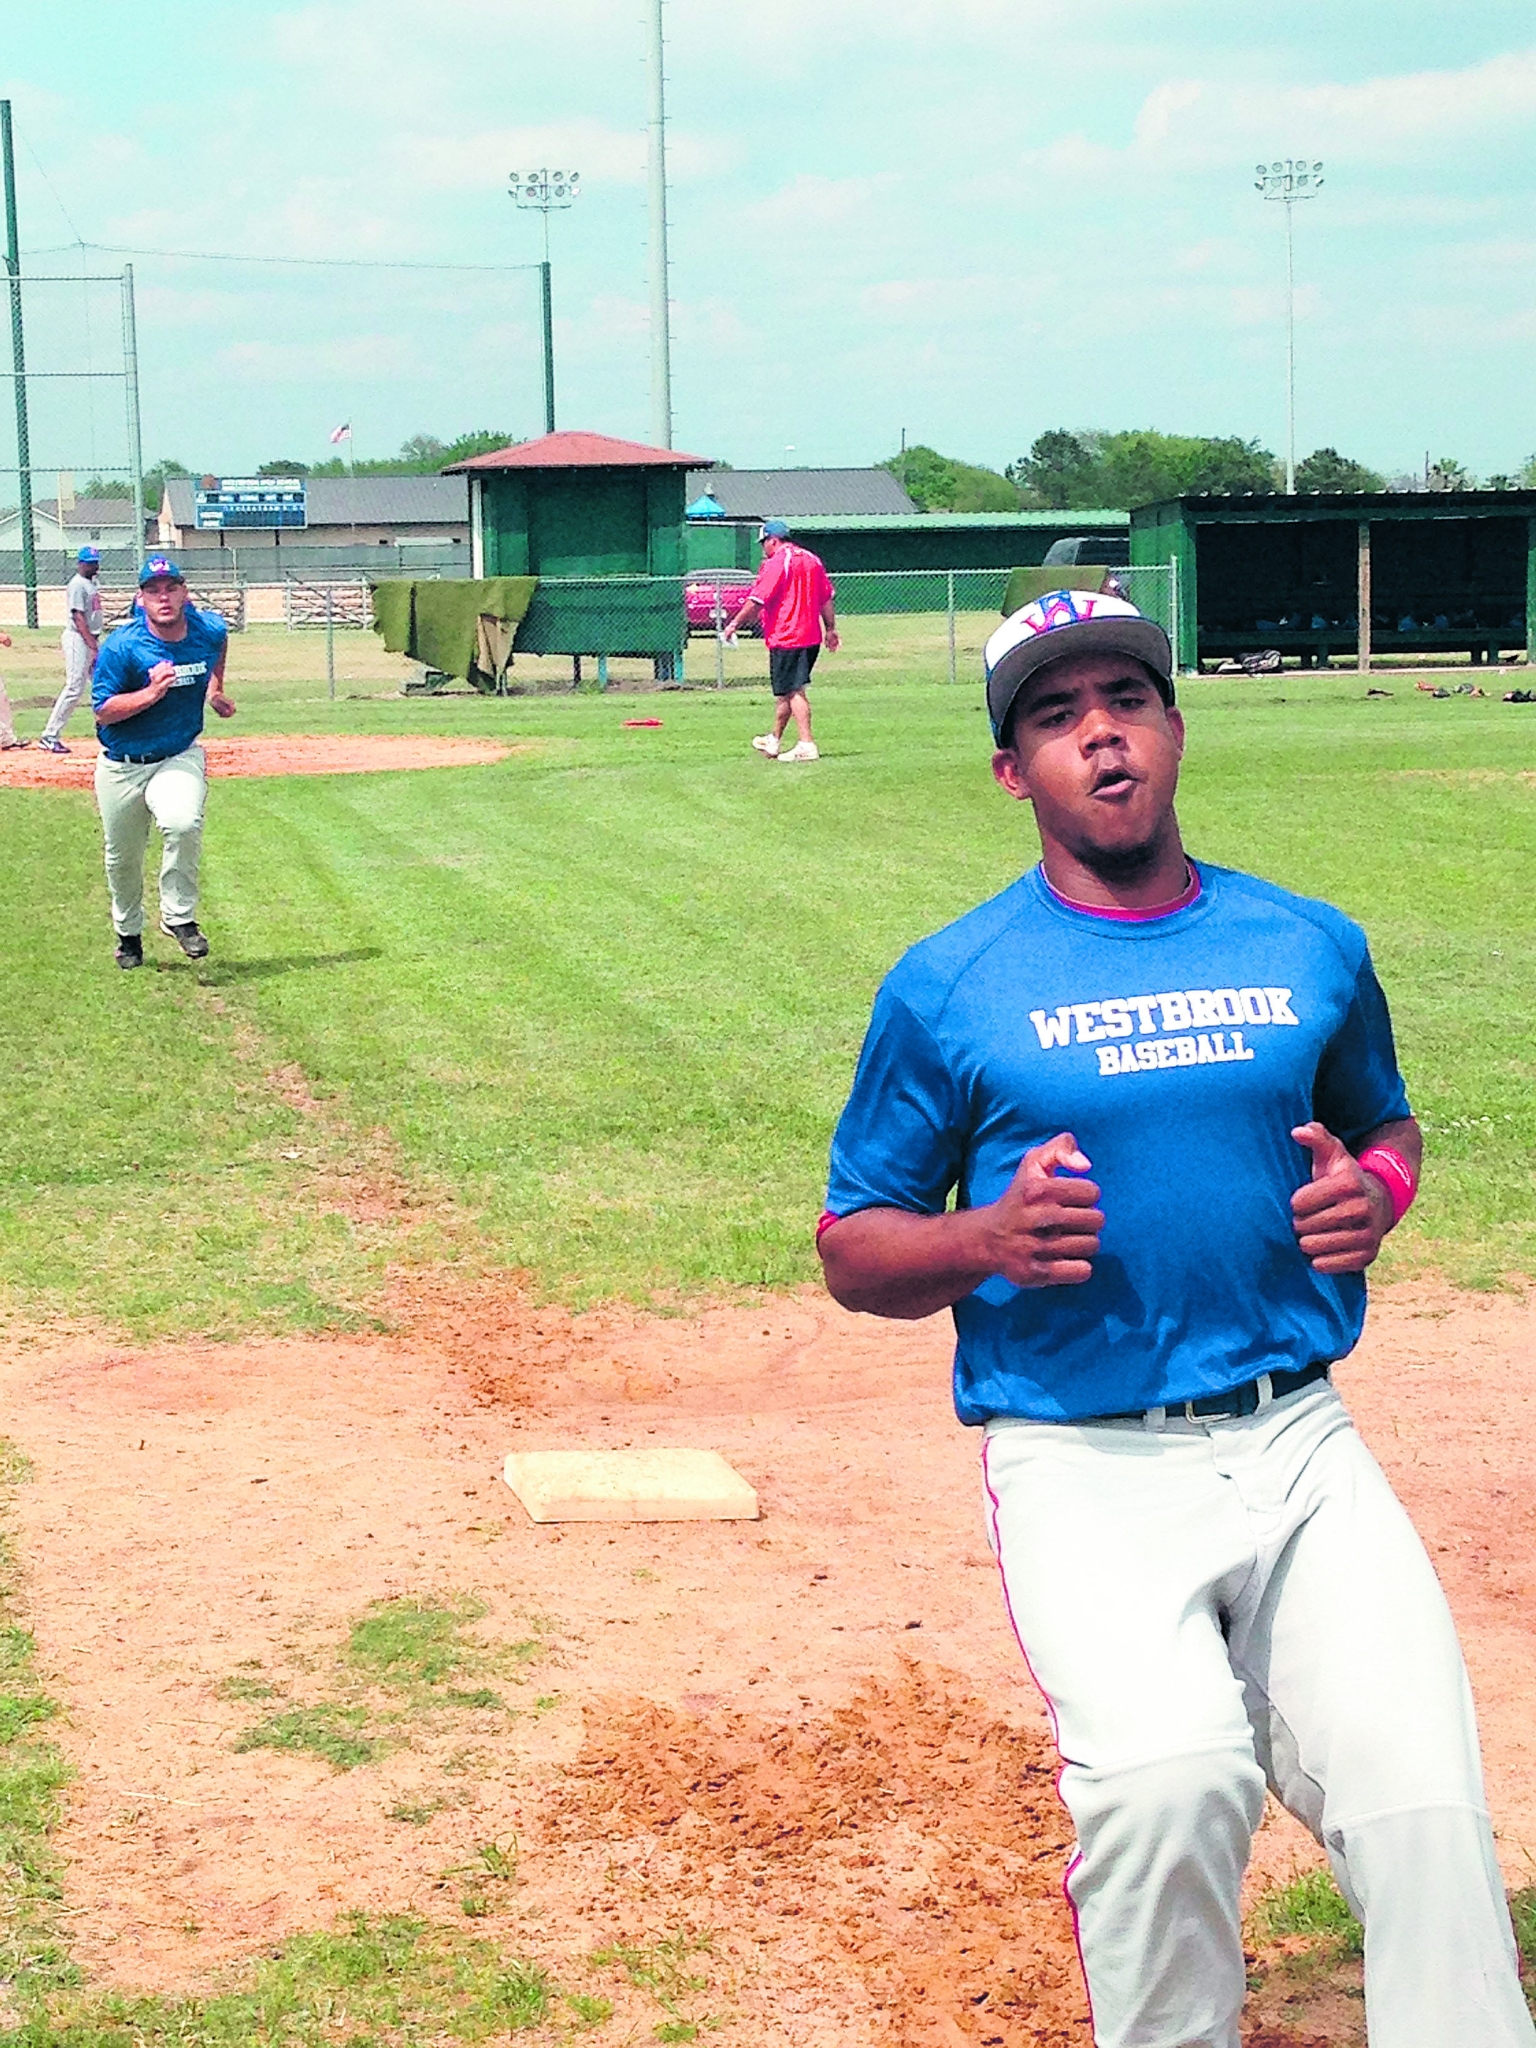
column 272, row 754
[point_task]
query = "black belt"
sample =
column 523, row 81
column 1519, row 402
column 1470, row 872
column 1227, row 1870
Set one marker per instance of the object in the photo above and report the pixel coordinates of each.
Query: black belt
column 146, row 760
column 1236, row 1401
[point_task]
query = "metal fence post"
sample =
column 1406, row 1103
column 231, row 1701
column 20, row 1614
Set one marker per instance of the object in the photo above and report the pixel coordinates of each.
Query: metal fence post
column 1173, row 609
column 19, row 372
column 330, row 640
column 951, row 598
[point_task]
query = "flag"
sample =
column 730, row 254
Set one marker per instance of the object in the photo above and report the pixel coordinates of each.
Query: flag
column 342, row 433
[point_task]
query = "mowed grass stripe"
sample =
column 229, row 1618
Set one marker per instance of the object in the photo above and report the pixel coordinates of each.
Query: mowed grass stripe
column 144, row 1181
column 610, row 993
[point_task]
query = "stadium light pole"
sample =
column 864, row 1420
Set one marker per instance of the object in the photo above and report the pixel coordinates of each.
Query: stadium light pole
column 1287, row 181
column 546, row 192
column 661, row 321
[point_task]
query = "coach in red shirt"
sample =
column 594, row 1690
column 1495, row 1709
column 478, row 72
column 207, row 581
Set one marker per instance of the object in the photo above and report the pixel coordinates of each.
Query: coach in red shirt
column 794, row 594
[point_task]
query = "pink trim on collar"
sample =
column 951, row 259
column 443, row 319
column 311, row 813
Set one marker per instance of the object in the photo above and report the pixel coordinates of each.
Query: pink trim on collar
column 1118, row 916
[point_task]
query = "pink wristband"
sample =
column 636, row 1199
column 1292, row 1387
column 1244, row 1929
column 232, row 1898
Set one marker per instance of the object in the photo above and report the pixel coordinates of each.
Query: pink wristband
column 824, row 1223
column 1395, row 1175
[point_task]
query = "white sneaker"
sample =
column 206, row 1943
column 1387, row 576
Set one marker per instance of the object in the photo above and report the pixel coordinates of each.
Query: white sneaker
column 765, row 743
column 803, row 750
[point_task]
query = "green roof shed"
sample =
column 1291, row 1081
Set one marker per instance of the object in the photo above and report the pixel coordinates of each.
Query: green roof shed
column 1354, row 572
column 585, row 506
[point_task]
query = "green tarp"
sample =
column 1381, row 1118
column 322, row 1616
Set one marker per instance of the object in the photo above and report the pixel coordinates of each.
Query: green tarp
column 437, row 622
column 392, row 615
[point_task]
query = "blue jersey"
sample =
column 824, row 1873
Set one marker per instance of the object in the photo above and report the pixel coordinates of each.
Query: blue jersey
column 126, row 658
column 1180, row 1051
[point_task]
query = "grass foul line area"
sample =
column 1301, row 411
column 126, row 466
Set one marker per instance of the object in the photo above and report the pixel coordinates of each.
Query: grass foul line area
column 589, row 1012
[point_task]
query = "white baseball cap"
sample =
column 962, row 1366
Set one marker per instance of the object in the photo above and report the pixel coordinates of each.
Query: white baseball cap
column 1069, row 622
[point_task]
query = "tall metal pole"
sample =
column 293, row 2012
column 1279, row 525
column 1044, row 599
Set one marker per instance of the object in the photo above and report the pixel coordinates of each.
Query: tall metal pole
column 661, row 329
column 1290, row 179
column 547, row 299
column 546, row 189
column 1290, row 349
column 131, row 387
column 19, row 368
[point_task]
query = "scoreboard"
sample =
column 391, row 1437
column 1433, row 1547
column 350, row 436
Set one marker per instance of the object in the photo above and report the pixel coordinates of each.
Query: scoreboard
column 233, row 501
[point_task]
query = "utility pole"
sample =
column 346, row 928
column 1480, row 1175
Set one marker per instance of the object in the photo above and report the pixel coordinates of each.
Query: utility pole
column 661, row 326
column 546, row 191
column 19, row 368
column 1295, row 178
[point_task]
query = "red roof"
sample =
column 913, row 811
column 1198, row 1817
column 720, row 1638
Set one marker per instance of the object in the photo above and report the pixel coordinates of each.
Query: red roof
column 581, row 451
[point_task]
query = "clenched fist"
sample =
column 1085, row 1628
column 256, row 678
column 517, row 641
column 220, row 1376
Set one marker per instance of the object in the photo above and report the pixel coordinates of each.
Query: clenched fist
column 1044, row 1229
column 1343, row 1212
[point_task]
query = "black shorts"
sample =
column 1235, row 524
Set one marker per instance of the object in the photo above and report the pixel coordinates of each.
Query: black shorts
column 789, row 669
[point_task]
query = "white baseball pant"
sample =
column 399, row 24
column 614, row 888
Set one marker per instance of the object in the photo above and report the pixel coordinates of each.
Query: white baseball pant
column 1211, row 1605
column 77, row 680
column 171, row 794
column 7, row 725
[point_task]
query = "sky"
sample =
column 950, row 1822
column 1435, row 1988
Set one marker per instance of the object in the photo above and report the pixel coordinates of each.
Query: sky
column 971, row 220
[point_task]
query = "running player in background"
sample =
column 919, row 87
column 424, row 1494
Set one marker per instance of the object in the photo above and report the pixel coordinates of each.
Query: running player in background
column 155, row 674
column 794, row 594
column 1208, row 1575
column 80, row 642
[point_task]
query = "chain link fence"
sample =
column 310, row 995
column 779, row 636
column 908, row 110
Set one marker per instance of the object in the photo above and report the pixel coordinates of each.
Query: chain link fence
column 640, row 631
column 329, row 603
column 637, row 632
column 906, row 623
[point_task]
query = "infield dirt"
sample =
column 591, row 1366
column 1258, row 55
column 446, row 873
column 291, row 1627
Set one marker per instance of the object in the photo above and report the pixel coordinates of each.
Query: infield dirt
column 270, row 754
column 810, row 1737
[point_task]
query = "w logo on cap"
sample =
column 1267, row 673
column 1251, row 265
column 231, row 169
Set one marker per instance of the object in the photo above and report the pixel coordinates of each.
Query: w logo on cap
column 1067, row 608
column 160, row 565
column 1070, row 621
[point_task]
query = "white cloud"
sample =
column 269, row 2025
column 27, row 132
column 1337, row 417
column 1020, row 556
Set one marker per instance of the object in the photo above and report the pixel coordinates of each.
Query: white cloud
column 362, row 356
column 616, row 156
column 1382, row 119
column 813, row 202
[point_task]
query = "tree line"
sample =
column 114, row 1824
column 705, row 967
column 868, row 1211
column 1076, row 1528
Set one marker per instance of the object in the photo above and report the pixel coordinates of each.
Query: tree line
column 1082, row 469
column 421, row 455
column 1065, row 469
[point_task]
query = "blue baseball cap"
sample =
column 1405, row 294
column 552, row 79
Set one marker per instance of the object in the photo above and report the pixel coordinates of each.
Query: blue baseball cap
column 88, row 555
column 160, row 565
column 773, row 529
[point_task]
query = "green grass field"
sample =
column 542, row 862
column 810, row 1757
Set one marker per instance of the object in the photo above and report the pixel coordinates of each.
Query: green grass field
column 598, row 1003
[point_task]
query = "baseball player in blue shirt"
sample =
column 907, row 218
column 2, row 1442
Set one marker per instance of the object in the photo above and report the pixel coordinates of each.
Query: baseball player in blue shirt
column 1166, row 1100
column 152, row 677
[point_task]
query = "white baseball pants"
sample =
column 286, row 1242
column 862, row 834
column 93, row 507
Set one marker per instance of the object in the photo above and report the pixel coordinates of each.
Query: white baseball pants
column 77, row 680
column 1209, row 1606
column 171, row 794
column 7, row 726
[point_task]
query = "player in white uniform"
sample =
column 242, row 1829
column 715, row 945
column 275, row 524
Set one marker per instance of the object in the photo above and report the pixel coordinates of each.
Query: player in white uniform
column 1210, row 1579
column 80, row 642
column 9, row 744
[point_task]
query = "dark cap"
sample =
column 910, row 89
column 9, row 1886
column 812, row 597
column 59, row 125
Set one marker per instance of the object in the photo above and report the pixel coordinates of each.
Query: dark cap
column 160, row 565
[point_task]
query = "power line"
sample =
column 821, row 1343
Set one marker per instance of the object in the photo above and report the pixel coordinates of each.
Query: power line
column 295, row 262
column 69, row 219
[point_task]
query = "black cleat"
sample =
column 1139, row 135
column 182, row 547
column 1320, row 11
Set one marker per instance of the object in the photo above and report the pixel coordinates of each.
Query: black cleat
column 189, row 937
column 130, row 950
